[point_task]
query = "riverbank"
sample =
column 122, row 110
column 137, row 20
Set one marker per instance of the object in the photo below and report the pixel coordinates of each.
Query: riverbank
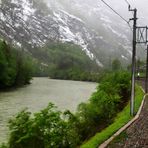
column 122, row 118
column 36, row 96
column 111, row 95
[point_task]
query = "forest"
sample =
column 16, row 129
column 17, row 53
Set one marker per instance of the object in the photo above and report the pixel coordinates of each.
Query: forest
column 67, row 61
column 55, row 60
column 16, row 68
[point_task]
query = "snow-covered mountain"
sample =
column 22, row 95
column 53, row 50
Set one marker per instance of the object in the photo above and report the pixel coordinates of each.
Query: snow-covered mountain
column 33, row 23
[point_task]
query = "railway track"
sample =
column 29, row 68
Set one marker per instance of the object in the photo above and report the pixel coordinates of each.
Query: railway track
column 136, row 136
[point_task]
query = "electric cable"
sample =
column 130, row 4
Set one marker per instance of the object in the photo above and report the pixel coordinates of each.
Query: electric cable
column 117, row 13
column 127, row 2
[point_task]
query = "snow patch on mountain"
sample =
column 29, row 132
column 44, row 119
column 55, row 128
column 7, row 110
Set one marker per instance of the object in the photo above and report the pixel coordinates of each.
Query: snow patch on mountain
column 68, row 35
column 122, row 56
column 72, row 16
column 89, row 25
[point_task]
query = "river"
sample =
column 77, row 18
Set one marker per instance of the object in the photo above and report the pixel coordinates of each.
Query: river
column 36, row 96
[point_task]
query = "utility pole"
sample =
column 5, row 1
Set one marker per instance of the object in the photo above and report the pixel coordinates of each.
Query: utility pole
column 146, row 81
column 134, row 19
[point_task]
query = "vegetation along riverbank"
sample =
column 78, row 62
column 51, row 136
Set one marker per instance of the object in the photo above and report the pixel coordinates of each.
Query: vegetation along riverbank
column 55, row 60
column 52, row 128
column 16, row 68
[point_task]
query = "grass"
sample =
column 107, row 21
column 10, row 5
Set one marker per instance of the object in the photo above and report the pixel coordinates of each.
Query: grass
column 121, row 119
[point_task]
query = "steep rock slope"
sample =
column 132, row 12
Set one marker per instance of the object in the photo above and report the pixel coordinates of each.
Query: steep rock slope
column 32, row 23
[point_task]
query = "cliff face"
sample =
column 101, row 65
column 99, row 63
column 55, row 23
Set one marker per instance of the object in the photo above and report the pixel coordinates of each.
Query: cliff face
column 33, row 23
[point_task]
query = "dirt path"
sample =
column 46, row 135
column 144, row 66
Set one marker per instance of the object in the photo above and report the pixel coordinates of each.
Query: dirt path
column 136, row 136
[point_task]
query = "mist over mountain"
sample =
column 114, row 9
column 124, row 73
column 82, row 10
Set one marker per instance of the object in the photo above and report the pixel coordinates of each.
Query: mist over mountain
column 101, row 33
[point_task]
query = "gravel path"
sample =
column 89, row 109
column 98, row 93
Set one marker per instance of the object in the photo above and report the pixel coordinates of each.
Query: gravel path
column 136, row 136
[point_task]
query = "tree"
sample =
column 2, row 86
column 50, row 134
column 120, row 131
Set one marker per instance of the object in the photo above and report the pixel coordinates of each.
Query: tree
column 15, row 69
column 116, row 65
column 7, row 65
column 45, row 129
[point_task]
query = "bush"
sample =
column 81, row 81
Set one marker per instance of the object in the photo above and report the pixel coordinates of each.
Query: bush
column 111, row 96
column 51, row 128
column 46, row 129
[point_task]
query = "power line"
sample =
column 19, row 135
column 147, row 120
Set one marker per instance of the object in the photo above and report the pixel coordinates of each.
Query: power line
column 127, row 2
column 129, row 26
column 117, row 13
column 140, row 14
column 114, row 11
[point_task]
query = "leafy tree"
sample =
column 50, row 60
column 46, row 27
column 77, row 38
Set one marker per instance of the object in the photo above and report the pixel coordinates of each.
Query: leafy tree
column 7, row 65
column 116, row 65
column 16, row 69
column 46, row 129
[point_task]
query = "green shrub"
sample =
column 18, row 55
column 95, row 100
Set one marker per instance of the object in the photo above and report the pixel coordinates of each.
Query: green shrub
column 44, row 130
column 111, row 96
column 121, row 119
column 51, row 128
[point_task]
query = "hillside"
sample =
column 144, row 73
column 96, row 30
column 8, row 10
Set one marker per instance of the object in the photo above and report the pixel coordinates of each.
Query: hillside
column 32, row 24
column 64, row 61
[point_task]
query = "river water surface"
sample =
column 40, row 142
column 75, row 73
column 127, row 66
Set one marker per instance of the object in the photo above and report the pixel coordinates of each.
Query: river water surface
column 36, row 96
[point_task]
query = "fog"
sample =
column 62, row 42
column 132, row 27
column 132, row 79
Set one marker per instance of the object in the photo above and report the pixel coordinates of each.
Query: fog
column 83, row 8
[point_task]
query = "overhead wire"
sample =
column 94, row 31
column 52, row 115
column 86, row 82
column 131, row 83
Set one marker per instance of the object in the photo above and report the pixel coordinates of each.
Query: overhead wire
column 117, row 13
column 127, row 2
column 141, row 14
column 142, row 46
column 114, row 11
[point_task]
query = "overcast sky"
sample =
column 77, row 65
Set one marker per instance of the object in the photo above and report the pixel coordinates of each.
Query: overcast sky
column 121, row 7
column 142, row 7
column 118, row 5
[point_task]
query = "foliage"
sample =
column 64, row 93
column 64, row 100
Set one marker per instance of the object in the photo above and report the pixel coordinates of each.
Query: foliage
column 110, row 97
column 15, row 68
column 25, row 70
column 7, row 66
column 51, row 128
column 65, row 61
column 121, row 119
column 44, row 130
column 116, row 65
column 3, row 145
column 140, row 64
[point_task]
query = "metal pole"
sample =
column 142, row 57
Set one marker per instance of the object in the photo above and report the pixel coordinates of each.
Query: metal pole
column 133, row 63
column 146, row 81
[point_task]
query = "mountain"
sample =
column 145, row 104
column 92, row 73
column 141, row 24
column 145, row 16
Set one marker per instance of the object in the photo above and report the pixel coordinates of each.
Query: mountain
column 33, row 23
